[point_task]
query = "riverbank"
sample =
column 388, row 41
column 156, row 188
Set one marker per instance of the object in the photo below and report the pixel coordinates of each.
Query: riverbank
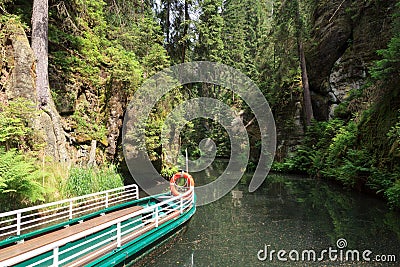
column 337, row 150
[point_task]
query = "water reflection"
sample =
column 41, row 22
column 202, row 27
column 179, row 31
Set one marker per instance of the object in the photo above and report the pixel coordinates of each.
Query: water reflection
column 287, row 212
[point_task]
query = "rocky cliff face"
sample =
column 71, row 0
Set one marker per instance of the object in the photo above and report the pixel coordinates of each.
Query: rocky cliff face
column 17, row 80
column 18, row 63
column 345, row 37
column 342, row 47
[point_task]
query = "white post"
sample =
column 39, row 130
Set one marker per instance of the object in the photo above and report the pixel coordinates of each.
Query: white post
column 18, row 223
column 156, row 211
column 181, row 204
column 70, row 209
column 136, row 192
column 119, row 234
column 107, row 200
column 55, row 256
column 187, row 161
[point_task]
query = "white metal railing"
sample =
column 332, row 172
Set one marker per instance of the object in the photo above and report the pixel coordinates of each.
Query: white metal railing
column 120, row 231
column 15, row 222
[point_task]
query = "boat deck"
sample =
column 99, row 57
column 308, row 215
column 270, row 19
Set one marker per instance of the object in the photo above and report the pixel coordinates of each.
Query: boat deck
column 99, row 229
column 108, row 248
column 46, row 239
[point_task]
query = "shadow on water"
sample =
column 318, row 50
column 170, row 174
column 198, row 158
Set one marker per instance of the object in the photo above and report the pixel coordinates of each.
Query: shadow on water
column 285, row 213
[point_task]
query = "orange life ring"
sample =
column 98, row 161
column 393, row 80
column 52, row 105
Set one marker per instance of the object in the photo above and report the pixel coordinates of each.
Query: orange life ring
column 178, row 175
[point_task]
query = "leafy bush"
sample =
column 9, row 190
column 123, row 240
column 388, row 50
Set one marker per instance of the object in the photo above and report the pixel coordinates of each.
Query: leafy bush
column 394, row 137
column 393, row 194
column 311, row 154
column 301, row 161
column 19, row 181
column 330, row 150
column 16, row 120
column 355, row 165
column 86, row 125
column 168, row 172
column 344, row 162
column 388, row 66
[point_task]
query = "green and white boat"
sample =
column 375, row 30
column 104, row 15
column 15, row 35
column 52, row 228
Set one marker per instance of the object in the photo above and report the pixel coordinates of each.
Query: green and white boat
column 103, row 229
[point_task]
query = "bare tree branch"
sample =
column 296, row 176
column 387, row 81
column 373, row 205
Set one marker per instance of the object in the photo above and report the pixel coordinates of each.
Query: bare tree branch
column 337, row 9
column 250, row 122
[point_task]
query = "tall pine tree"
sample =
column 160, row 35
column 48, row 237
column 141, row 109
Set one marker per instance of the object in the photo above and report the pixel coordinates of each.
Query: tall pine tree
column 209, row 29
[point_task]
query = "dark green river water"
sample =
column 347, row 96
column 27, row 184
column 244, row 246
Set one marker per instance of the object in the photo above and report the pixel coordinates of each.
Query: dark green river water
column 294, row 215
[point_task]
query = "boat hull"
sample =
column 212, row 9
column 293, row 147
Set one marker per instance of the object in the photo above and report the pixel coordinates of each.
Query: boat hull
column 146, row 243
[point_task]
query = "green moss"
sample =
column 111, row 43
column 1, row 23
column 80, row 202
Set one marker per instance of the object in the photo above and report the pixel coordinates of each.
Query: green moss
column 88, row 125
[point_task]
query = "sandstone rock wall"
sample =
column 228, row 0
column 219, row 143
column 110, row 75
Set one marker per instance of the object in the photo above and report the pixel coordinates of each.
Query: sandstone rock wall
column 345, row 38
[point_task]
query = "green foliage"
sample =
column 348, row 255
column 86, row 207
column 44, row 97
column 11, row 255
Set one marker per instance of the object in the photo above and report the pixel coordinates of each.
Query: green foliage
column 55, row 174
column 175, row 22
column 310, row 155
column 82, row 181
column 344, row 140
column 96, row 46
column 86, row 124
column 169, row 172
column 393, row 194
column 200, row 129
column 394, row 138
column 16, row 119
column 388, row 67
column 19, row 181
column 5, row 21
column 355, row 166
column 209, row 29
column 284, row 22
column 103, row 50
column 3, row 3
column 330, row 150
column 241, row 35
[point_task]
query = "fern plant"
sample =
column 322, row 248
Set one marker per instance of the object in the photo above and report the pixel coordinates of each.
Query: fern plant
column 19, row 181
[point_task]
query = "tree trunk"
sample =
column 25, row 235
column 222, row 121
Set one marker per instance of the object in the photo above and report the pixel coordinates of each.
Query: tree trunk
column 308, row 111
column 306, row 88
column 167, row 20
column 185, row 31
column 40, row 51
